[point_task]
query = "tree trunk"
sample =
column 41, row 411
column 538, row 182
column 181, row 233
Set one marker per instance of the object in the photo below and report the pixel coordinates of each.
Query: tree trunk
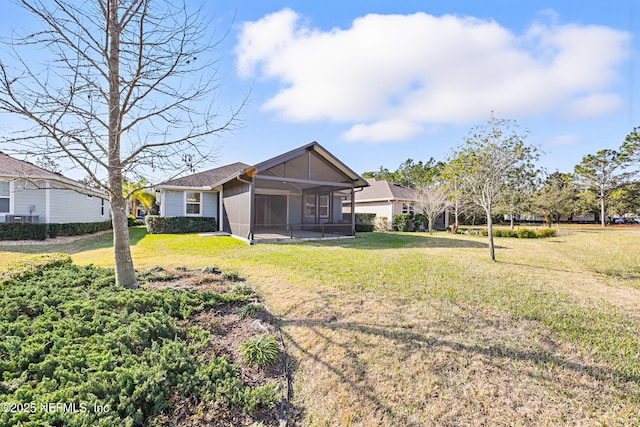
column 430, row 220
column 492, row 251
column 455, row 211
column 512, row 222
column 602, row 209
column 125, row 273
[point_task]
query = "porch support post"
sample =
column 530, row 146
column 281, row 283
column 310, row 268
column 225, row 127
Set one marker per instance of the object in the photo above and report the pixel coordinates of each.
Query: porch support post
column 252, row 211
column 353, row 211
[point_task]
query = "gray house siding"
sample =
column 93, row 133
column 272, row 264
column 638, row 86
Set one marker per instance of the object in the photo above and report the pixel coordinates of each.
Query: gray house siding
column 30, row 199
column 55, row 203
column 67, row 205
column 210, row 204
column 173, row 203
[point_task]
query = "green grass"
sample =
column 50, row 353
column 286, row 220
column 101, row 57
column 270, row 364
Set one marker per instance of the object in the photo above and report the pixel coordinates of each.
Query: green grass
column 412, row 329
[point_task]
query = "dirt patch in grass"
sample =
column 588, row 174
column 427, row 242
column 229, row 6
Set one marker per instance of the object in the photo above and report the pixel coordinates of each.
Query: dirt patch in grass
column 228, row 327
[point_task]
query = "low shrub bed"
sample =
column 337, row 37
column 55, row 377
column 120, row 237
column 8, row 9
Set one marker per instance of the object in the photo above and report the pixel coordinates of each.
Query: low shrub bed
column 28, row 231
column 179, row 224
column 79, row 350
column 522, row 233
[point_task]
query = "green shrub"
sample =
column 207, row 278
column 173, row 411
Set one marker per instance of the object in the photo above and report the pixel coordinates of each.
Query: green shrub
column 232, row 276
column 420, row 221
column 250, row 310
column 180, row 224
column 77, row 228
column 401, row 222
column 547, row 232
column 243, row 290
column 259, row 351
column 22, row 231
column 71, row 335
column 29, row 265
column 525, row 233
column 362, row 227
column 365, row 218
column 211, row 269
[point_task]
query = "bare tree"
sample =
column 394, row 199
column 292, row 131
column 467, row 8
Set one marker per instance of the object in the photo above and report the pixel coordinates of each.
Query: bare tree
column 432, row 200
column 125, row 88
column 492, row 156
column 452, row 178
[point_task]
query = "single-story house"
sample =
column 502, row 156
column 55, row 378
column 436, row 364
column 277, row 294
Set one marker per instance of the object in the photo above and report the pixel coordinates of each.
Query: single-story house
column 297, row 194
column 385, row 199
column 29, row 193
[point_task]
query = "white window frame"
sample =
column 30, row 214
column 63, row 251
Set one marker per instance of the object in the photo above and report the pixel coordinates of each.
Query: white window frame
column 408, row 208
column 102, row 206
column 322, row 206
column 307, row 205
column 9, row 197
column 187, row 202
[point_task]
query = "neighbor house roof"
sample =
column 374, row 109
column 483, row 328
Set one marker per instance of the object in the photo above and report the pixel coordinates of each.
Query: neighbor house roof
column 20, row 169
column 385, row 191
column 207, row 179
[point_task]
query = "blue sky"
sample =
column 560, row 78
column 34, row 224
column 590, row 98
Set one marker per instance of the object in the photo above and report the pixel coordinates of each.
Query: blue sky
column 377, row 82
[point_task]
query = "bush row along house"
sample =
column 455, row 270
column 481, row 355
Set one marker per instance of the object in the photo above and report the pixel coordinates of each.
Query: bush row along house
column 29, row 193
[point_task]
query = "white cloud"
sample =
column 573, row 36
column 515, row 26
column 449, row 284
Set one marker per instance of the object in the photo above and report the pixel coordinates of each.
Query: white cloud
column 563, row 140
column 384, row 130
column 592, row 105
column 389, row 75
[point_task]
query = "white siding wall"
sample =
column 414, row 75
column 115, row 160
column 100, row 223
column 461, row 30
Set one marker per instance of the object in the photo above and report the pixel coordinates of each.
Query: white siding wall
column 378, row 208
column 67, row 205
column 26, row 195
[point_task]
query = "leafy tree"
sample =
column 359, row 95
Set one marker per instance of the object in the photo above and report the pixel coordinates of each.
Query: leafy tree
column 432, row 200
column 599, row 174
column 137, row 193
column 557, row 197
column 409, row 174
column 124, row 87
column 492, row 156
column 625, row 199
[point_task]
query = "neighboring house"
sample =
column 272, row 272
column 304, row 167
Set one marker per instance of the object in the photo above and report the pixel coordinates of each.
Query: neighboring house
column 385, row 199
column 29, row 193
column 296, row 194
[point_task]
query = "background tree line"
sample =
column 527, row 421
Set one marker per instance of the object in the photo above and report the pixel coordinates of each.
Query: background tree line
column 494, row 174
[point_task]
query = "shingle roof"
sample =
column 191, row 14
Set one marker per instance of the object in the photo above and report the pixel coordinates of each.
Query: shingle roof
column 207, row 178
column 385, row 190
column 18, row 168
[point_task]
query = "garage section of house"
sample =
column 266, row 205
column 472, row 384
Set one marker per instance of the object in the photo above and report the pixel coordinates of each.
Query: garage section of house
column 296, row 195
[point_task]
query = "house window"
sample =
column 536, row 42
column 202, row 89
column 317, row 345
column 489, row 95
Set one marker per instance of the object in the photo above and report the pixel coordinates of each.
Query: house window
column 5, row 196
column 408, row 208
column 193, row 203
column 323, row 206
column 310, row 205
column 102, row 207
